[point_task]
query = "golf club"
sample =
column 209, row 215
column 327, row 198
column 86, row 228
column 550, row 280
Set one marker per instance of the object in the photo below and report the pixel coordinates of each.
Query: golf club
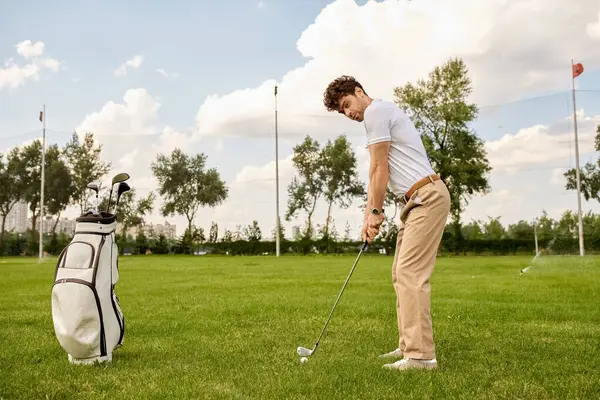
column 303, row 351
column 95, row 186
column 123, row 187
column 122, row 177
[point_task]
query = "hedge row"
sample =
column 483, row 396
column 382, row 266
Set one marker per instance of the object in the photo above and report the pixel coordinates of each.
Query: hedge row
column 25, row 244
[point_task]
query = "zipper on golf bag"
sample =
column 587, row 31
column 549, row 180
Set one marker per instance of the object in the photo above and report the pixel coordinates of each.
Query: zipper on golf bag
column 74, row 334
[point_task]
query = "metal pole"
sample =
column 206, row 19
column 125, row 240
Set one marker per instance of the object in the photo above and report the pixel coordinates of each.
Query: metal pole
column 277, row 227
column 577, row 175
column 42, row 184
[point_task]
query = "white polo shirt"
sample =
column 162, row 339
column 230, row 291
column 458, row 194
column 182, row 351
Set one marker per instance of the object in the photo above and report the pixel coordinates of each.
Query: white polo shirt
column 408, row 161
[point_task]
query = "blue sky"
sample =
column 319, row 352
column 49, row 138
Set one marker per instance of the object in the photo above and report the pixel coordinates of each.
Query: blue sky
column 235, row 51
column 215, row 47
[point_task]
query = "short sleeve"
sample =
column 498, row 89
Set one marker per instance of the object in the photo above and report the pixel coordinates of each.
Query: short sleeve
column 378, row 124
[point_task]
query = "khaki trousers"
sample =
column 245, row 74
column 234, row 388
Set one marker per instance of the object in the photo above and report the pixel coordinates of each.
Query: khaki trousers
column 423, row 219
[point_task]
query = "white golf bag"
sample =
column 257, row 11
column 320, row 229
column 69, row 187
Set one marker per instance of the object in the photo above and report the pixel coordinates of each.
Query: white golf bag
column 87, row 317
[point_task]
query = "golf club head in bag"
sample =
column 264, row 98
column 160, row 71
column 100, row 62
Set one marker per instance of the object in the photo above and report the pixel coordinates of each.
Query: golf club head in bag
column 122, row 177
column 303, row 351
column 95, row 186
column 123, row 187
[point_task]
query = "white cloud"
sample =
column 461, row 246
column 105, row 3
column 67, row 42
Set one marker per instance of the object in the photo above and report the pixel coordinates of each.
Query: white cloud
column 511, row 48
column 131, row 137
column 523, row 163
column 134, row 63
column 265, row 174
column 13, row 75
column 136, row 116
column 261, row 4
column 28, row 49
column 593, row 29
column 540, row 144
column 510, row 51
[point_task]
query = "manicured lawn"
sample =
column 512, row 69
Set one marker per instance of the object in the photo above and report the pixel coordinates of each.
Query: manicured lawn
column 228, row 327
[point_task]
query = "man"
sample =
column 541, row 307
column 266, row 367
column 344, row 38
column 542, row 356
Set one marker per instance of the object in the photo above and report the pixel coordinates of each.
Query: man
column 398, row 158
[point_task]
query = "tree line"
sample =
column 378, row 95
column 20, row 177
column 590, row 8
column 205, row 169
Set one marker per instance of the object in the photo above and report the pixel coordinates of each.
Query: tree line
column 185, row 184
column 490, row 236
column 325, row 174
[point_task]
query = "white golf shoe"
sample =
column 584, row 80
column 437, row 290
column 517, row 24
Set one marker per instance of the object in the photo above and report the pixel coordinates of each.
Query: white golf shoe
column 393, row 354
column 409, row 363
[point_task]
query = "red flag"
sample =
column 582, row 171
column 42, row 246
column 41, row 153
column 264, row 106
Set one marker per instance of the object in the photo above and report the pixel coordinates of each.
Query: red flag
column 41, row 114
column 577, row 70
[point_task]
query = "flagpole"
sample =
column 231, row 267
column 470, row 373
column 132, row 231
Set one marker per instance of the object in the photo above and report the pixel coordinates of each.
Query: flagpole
column 577, row 174
column 277, row 227
column 43, row 117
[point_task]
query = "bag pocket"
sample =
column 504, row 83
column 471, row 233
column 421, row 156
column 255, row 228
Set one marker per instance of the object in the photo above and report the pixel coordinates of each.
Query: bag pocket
column 77, row 318
column 77, row 254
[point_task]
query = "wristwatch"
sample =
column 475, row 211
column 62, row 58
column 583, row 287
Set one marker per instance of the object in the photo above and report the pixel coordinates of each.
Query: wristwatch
column 376, row 211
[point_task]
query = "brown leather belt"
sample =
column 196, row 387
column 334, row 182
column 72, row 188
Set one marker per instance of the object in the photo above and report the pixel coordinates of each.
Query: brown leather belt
column 418, row 185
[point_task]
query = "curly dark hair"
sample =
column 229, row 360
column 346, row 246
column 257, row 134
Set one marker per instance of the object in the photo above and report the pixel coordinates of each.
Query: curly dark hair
column 337, row 89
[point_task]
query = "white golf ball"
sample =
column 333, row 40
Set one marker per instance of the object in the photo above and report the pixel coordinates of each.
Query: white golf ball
column 303, row 360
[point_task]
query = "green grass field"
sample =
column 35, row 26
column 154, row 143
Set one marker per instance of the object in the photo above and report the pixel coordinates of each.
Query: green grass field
column 228, row 327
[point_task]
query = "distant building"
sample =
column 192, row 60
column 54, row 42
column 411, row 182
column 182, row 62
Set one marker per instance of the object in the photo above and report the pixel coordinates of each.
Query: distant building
column 16, row 220
column 65, row 225
column 166, row 229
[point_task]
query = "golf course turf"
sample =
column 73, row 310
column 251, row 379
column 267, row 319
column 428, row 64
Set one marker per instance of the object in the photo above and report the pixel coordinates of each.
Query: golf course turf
column 228, row 327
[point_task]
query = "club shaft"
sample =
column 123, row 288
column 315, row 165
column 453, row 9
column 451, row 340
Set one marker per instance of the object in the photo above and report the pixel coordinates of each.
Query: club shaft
column 340, row 295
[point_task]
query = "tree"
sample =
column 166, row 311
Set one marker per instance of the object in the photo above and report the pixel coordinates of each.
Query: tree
column 473, row 230
column 59, row 185
column 11, row 185
column 186, row 185
column 252, row 232
column 130, row 212
column 347, row 229
column 567, row 226
column 281, row 231
column 161, row 246
column 306, row 188
column 227, row 236
column 493, row 229
column 83, row 159
column 339, row 176
column 57, row 180
column 521, row 230
column 198, row 237
column 589, row 176
column 545, row 227
column 238, row 234
column 141, row 242
column 438, row 107
column 214, row 232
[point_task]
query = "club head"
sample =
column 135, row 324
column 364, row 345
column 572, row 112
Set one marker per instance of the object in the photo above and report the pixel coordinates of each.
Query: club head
column 123, row 187
column 122, row 177
column 304, row 352
column 95, row 186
